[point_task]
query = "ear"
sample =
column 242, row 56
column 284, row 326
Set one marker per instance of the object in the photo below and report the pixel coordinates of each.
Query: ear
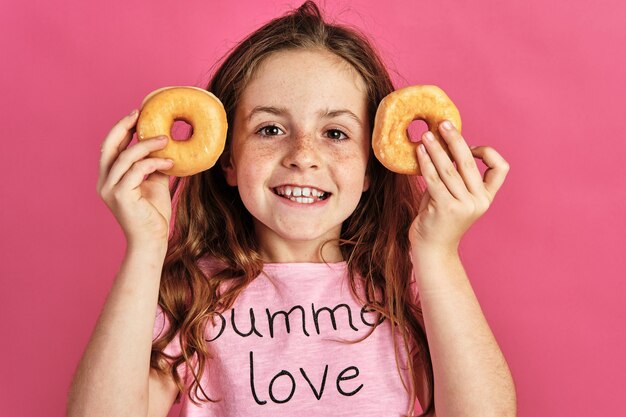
column 228, row 166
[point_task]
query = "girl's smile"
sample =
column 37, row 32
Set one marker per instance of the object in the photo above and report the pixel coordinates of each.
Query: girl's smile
column 301, row 194
column 299, row 152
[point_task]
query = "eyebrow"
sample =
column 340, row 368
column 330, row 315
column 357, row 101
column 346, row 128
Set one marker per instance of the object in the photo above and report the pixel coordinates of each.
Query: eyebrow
column 281, row 111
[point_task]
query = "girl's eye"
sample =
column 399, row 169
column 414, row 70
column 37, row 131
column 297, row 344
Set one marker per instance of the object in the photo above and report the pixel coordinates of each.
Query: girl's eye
column 336, row 135
column 269, row 130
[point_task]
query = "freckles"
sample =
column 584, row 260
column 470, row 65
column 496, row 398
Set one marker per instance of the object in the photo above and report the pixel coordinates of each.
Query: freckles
column 350, row 165
column 264, row 153
column 350, row 157
column 255, row 153
column 261, row 154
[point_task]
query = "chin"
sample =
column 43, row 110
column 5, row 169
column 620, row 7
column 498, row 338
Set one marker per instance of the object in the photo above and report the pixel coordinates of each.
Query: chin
column 299, row 232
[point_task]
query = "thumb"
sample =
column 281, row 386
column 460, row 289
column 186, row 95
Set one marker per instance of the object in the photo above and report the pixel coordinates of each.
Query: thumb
column 159, row 178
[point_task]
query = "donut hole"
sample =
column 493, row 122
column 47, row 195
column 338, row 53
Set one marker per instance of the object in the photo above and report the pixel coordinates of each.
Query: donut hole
column 416, row 129
column 181, row 130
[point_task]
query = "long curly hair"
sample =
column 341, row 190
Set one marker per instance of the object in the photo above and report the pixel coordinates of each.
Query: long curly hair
column 210, row 220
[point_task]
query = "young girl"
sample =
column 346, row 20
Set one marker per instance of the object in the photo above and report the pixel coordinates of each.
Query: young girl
column 289, row 285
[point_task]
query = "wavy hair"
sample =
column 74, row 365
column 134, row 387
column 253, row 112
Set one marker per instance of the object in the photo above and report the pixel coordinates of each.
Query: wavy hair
column 210, row 219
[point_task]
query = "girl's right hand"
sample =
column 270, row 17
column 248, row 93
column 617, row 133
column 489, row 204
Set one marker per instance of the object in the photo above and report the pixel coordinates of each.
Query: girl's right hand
column 142, row 207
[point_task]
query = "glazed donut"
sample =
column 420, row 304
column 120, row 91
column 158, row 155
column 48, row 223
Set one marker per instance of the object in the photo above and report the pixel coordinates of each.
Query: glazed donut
column 202, row 110
column 395, row 113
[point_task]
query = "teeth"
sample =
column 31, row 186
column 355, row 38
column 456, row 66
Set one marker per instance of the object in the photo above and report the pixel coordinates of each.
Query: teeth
column 307, row 200
column 300, row 194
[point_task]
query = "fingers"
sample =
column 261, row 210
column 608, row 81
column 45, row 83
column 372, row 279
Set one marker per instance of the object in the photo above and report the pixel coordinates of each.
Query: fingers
column 438, row 167
column 462, row 155
column 118, row 139
column 497, row 169
column 444, row 179
column 128, row 166
column 133, row 154
column 149, row 166
column 134, row 161
column 159, row 178
column 435, row 185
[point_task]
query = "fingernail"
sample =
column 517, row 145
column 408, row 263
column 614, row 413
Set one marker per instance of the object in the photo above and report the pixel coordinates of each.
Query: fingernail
column 430, row 136
column 422, row 148
column 133, row 113
column 446, row 125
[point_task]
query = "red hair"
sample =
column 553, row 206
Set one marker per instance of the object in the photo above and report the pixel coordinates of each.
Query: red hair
column 211, row 220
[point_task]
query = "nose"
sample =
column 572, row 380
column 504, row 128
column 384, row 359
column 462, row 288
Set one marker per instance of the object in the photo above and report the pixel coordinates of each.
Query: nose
column 302, row 152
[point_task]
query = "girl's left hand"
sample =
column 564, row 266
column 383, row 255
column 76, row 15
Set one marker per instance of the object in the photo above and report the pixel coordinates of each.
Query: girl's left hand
column 454, row 199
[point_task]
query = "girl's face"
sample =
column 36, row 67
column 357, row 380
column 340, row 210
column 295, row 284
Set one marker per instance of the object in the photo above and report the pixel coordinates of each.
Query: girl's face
column 300, row 147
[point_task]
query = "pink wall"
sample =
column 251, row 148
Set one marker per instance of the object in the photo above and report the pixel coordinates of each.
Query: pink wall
column 541, row 82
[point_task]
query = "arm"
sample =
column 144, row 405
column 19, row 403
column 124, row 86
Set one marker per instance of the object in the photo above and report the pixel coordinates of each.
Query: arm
column 471, row 375
column 112, row 378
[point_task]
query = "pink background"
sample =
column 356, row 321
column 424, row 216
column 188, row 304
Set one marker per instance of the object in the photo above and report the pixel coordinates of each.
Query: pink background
column 541, row 82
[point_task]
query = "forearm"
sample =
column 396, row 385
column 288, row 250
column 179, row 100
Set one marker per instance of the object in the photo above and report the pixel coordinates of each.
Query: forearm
column 112, row 376
column 471, row 375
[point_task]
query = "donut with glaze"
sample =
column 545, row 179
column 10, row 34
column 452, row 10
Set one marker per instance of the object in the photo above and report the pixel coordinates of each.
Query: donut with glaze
column 390, row 141
column 202, row 110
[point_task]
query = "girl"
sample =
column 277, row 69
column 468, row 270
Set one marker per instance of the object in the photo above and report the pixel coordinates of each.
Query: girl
column 289, row 284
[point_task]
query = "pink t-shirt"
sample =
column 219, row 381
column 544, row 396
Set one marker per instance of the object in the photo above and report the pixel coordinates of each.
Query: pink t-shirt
column 278, row 351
